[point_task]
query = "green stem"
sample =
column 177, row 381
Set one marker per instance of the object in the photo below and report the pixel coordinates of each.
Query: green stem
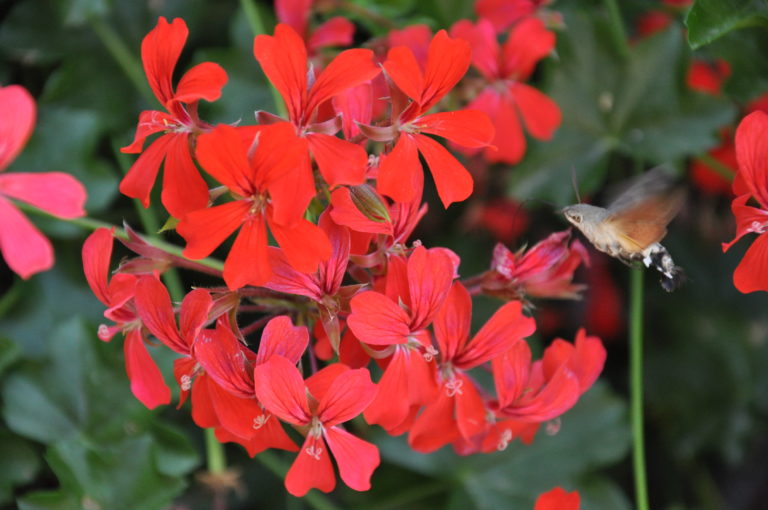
column 217, row 462
column 721, row 169
column 123, row 56
column 618, row 32
column 255, row 20
column 636, row 385
column 406, row 498
column 274, row 464
column 92, row 224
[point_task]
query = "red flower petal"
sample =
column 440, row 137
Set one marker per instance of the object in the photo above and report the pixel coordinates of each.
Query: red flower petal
column 348, row 69
column 281, row 337
column 345, row 212
column 331, row 273
column 503, row 13
column 147, row 382
column 747, row 218
column 225, row 360
column 392, row 403
column 24, row 248
column 248, row 260
column 280, row 389
column 403, row 69
column 470, row 409
column 206, row 229
column 283, row 58
column 376, row 320
column 752, row 272
column 452, row 322
column 558, row 499
column 340, row 162
column 222, row 154
column 506, row 327
column 312, row 469
column 286, row 279
column 153, row 305
column 509, row 139
column 430, row 274
column 447, row 62
column 304, row 244
column 752, row 155
column 96, row 254
column 348, row 396
column 453, row 181
column 238, row 415
column 194, row 314
column 400, row 171
column 485, row 46
column 184, row 189
column 336, row 31
column 528, row 42
column 294, row 13
column 16, row 123
column 435, row 427
column 204, row 81
column 470, row 128
column 57, row 193
column 140, row 179
column 541, row 115
column 291, row 195
column 203, row 413
column 357, row 459
column 160, row 51
column 355, row 105
column 150, row 122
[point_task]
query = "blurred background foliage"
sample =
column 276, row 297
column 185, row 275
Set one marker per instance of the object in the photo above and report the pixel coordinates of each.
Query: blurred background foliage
column 71, row 434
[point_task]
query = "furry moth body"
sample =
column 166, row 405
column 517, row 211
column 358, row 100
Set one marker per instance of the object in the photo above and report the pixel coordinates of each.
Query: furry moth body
column 632, row 226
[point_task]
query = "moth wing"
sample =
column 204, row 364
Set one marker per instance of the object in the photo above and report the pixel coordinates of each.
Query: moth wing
column 653, row 183
column 644, row 222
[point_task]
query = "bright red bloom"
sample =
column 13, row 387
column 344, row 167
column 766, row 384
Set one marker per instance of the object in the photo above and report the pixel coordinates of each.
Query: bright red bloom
column 184, row 189
column 153, row 305
column 705, row 177
column 261, row 180
column 337, row 31
column 321, row 403
column 558, row 499
column 752, row 182
column 652, row 22
column 25, row 249
column 117, row 294
column 545, row 389
column 415, row 291
column 231, row 367
column 459, row 410
column 283, row 57
column 400, row 171
column 546, row 270
column 415, row 37
column 708, row 77
column 508, row 101
column 505, row 13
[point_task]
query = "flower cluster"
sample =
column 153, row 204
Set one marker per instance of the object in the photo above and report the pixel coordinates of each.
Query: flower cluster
column 321, row 268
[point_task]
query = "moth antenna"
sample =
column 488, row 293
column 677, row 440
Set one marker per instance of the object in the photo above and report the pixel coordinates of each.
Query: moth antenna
column 575, row 184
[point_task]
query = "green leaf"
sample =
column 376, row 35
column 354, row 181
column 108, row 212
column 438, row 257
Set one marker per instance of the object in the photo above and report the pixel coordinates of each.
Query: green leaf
column 19, row 463
column 709, row 20
column 9, row 353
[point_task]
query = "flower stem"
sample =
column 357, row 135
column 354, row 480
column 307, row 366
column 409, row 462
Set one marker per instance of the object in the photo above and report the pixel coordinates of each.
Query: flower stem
column 618, row 32
column 274, row 464
column 636, row 385
column 217, row 462
column 255, row 20
column 122, row 55
column 721, row 169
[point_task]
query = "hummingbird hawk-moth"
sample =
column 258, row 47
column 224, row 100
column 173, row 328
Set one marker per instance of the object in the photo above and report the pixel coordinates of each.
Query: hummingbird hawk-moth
column 632, row 226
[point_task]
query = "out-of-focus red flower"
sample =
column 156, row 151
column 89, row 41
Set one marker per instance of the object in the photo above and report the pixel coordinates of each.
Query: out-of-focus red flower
column 708, row 77
column 414, row 37
column 652, row 22
column 459, row 410
column 546, row 270
column 184, row 189
column 605, row 304
column 677, row 3
column 337, row 31
column 505, row 219
column 117, row 293
column 505, row 13
column 261, row 180
column 710, row 180
column 25, row 249
column 759, row 103
column 508, row 101
column 400, row 171
column 545, row 389
column 751, row 182
column 320, row 405
column 558, row 499
column 283, row 57
column 414, row 293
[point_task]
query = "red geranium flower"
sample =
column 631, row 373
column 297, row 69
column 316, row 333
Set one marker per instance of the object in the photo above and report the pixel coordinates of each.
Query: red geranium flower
column 320, row 405
column 262, row 181
column 708, row 77
column 506, row 99
column 751, row 182
column 184, row 189
column 400, row 170
column 505, row 13
column 558, row 499
column 283, row 57
column 337, row 31
column 117, row 294
column 25, row 249
column 458, row 410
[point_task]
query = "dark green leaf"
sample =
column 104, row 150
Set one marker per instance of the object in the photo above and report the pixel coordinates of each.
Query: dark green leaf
column 9, row 353
column 710, row 19
column 19, row 463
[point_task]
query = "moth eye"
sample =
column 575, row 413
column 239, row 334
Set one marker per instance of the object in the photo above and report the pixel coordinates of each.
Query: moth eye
column 576, row 218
